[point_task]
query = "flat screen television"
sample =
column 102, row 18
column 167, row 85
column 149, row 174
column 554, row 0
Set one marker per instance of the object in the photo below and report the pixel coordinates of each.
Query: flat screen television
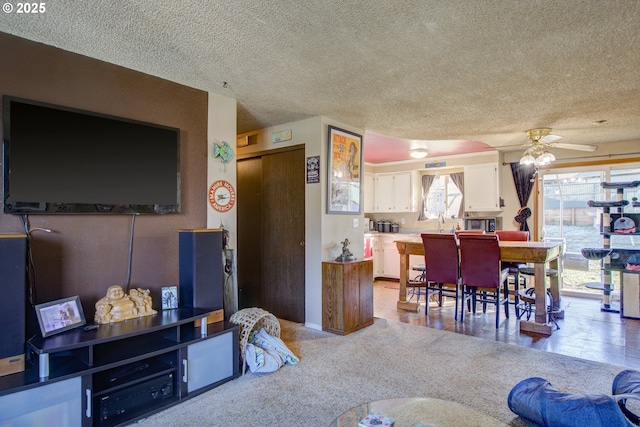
column 59, row 160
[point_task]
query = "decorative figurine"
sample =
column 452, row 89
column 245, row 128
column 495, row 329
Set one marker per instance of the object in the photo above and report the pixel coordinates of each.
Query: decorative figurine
column 223, row 151
column 117, row 306
column 346, row 253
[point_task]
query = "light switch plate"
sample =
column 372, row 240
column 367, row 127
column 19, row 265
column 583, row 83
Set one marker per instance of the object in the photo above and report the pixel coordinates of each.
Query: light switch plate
column 355, row 222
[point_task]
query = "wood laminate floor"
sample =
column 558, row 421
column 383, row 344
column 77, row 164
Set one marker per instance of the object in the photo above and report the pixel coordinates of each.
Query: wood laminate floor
column 585, row 332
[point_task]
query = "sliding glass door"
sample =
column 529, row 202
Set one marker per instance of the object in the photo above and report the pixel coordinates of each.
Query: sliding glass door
column 564, row 194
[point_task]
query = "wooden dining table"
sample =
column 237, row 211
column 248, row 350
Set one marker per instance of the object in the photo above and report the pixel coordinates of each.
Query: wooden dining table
column 537, row 253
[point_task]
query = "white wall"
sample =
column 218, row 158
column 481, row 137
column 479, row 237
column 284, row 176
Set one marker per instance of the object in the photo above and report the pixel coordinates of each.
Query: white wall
column 222, row 127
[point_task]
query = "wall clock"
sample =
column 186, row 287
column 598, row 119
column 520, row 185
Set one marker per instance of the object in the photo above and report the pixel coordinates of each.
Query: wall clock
column 222, row 195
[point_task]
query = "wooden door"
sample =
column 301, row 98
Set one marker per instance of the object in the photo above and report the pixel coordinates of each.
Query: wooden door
column 249, row 256
column 271, row 261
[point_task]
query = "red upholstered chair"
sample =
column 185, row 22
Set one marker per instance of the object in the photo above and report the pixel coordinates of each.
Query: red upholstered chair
column 459, row 232
column 482, row 277
column 514, row 267
column 442, row 275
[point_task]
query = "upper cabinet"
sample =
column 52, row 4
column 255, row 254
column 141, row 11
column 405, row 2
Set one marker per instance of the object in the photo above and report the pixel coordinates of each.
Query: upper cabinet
column 482, row 188
column 369, row 191
column 396, row 191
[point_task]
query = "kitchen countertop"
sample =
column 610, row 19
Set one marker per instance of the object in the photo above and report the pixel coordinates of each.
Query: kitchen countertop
column 406, row 234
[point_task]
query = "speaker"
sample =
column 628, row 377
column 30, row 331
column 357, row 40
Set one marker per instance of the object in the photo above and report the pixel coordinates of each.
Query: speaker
column 13, row 292
column 201, row 270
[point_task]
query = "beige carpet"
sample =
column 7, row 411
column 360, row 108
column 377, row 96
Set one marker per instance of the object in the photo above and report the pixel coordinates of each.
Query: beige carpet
column 385, row 360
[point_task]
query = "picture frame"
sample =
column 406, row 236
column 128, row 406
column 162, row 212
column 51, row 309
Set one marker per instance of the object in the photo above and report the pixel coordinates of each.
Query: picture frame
column 169, row 297
column 344, row 173
column 60, row 315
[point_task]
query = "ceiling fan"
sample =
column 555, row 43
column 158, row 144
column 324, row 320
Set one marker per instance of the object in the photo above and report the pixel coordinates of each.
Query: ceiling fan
column 541, row 139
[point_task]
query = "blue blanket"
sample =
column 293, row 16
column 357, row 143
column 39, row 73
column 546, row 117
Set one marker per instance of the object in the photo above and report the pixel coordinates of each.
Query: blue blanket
column 536, row 400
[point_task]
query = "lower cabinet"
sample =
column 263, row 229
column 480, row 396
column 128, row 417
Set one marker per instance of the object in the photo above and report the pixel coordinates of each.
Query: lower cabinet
column 208, row 362
column 387, row 258
column 347, row 296
column 58, row 403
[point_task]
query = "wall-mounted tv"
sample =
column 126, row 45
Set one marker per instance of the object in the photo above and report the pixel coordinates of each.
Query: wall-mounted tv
column 59, row 160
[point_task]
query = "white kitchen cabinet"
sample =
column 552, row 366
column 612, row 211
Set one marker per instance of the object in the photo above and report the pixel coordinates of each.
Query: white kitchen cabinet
column 397, row 191
column 377, row 257
column 482, row 188
column 391, row 257
column 369, row 192
column 386, row 259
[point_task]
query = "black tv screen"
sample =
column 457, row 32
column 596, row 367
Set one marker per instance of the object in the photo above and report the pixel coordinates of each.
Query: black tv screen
column 63, row 160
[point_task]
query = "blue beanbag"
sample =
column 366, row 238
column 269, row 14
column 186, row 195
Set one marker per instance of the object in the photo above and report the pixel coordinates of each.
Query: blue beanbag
column 626, row 385
column 536, row 400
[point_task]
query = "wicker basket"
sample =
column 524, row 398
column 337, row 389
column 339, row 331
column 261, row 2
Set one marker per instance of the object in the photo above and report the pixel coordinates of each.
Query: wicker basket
column 253, row 319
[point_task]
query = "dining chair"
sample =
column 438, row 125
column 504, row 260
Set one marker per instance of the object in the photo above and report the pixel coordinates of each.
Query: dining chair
column 442, row 268
column 459, row 232
column 482, row 278
column 514, row 267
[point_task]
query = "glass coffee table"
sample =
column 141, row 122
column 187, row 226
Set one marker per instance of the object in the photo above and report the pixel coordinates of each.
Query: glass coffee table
column 419, row 412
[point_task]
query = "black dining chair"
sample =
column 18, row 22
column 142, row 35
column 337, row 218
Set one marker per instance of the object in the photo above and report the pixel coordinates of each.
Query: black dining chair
column 442, row 268
column 482, row 278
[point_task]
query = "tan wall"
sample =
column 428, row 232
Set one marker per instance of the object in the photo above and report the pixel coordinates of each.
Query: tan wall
column 87, row 253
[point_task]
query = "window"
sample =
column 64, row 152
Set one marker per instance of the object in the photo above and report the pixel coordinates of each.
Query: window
column 566, row 214
column 444, row 198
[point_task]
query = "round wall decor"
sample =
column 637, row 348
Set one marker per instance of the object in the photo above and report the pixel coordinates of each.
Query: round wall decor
column 222, row 195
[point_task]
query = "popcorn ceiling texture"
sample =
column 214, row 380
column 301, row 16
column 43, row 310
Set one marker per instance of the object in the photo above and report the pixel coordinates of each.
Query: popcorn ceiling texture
column 415, row 69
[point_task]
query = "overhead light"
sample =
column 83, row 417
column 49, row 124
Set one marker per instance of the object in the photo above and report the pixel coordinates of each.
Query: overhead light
column 546, row 158
column 527, row 159
column 537, row 154
column 418, row 153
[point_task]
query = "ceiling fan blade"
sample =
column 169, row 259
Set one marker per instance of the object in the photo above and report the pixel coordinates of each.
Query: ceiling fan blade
column 579, row 147
column 550, row 138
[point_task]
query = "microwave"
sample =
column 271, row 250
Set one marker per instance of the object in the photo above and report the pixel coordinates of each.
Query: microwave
column 487, row 224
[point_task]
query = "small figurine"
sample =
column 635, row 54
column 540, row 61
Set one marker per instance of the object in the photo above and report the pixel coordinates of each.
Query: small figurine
column 117, row 306
column 346, row 253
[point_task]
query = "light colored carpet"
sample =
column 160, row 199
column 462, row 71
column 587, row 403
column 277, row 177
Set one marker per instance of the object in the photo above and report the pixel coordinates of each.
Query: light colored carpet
column 385, row 360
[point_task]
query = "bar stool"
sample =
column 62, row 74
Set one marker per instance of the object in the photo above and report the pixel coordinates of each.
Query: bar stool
column 528, row 302
column 418, row 281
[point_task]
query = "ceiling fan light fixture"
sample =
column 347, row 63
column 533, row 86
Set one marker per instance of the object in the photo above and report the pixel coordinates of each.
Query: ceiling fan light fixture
column 527, row 159
column 418, row 153
column 545, row 158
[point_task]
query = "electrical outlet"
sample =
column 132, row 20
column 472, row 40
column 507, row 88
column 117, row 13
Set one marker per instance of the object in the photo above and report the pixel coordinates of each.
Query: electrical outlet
column 402, row 221
column 355, row 222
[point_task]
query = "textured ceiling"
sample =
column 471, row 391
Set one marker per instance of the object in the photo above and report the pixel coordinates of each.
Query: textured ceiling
column 419, row 70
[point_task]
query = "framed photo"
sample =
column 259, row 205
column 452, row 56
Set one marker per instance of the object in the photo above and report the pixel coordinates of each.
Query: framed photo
column 344, row 175
column 60, row 315
column 169, row 297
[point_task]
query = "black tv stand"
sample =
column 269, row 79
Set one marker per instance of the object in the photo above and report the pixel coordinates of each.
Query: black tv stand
column 122, row 372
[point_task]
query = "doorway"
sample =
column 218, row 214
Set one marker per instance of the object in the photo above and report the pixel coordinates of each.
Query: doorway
column 271, row 232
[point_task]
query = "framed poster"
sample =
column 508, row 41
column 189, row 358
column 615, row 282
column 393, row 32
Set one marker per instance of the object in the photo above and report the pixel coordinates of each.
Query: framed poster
column 60, row 315
column 344, row 177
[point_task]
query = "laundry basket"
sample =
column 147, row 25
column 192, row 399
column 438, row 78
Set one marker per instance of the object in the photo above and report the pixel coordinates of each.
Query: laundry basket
column 253, row 319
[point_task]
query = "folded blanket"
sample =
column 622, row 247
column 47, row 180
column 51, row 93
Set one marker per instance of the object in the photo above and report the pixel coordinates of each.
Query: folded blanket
column 266, row 353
